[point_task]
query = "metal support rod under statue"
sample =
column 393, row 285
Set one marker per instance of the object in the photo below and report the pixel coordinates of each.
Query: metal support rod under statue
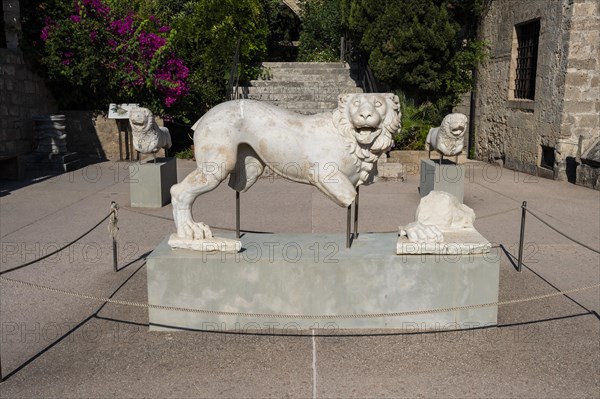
column 237, row 214
column 348, row 224
column 356, row 213
column 522, row 237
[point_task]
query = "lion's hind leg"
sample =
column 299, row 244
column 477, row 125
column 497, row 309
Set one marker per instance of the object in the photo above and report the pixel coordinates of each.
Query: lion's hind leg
column 249, row 167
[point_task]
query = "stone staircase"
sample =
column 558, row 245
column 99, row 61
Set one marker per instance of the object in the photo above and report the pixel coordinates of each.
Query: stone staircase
column 304, row 87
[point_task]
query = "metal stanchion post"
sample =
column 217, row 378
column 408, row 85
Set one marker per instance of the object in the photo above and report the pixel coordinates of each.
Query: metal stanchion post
column 112, row 228
column 521, row 239
column 115, row 255
column 356, row 213
column 237, row 214
column 348, row 223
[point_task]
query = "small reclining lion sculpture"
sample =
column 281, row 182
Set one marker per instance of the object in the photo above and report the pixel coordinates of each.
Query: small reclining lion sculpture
column 148, row 137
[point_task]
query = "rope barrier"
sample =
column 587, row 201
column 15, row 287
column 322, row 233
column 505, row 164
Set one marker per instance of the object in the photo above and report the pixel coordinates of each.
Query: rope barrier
column 561, row 233
column 14, row 282
column 112, row 213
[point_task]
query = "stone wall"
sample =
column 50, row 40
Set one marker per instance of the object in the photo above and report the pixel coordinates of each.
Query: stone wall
column 23, row 94
column 93, row 135
column 512, row 132
column 581, row 108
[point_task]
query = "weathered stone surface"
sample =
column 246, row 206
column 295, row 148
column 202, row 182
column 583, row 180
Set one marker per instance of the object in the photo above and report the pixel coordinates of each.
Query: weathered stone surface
column 448, row 139
column 588, row 176
column 148, row 137
column 592, row 154
column 19, row 102
column 149, row 183
column 567, row 88
column 334, row 151
column 305, row 87
column 314, row 274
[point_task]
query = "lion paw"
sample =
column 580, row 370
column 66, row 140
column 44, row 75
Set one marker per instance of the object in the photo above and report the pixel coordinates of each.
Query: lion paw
column 195, row 231
column 422, row 234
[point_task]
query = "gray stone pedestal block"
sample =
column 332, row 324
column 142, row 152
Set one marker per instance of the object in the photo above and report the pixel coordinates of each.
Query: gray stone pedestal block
column 149, row 182
column 314, row 274
column 447, row 176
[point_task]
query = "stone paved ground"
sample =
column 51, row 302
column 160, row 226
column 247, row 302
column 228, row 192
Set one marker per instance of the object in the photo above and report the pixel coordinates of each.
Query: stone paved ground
column 59, row 346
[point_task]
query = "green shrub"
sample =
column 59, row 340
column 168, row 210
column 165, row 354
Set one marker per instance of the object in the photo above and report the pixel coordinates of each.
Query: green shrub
column 321, row 31
column 188, row 153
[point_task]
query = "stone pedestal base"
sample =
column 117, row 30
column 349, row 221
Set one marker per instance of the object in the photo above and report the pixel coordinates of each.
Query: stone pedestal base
column 149, row 182
column 314, row 274
column 448, row 177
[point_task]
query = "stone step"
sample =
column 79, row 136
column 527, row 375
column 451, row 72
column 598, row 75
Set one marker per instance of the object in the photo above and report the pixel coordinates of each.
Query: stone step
column 341, row 78
column 264, row 83
column 306, row 71
column 311, row 65
column 303, row 87
column 293, row 94
column 307, row 104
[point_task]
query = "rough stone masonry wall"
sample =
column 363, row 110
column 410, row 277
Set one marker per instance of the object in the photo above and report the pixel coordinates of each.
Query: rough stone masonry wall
column 23, row 94
column 581, row 109
column 509, row 131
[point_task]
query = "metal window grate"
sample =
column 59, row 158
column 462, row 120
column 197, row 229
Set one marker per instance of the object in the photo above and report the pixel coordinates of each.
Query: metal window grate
column 2, row 32
column 527, row 52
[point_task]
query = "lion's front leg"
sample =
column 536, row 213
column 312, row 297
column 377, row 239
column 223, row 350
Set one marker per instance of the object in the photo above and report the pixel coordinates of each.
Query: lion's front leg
column 182, row 198
column 336, row 186
column 190, row 234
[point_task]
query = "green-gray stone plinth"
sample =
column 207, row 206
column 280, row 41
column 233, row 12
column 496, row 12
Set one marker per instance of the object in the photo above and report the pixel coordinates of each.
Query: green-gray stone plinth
column 149, row 182
column 314, row 274
column 448, row 177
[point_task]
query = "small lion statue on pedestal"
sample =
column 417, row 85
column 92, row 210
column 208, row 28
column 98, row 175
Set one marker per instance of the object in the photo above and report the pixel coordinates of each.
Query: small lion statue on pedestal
column 333, row 151
column 148, row 137
column 448, row 138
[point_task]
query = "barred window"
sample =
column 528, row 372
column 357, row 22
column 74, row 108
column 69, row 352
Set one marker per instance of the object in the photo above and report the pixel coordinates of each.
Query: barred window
column 2, row 33
column 528, row 35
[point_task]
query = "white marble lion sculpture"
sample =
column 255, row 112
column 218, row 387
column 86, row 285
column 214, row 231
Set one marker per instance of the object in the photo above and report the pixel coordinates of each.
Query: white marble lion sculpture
column 334, row 151
column 148, row 137
column 448, row 138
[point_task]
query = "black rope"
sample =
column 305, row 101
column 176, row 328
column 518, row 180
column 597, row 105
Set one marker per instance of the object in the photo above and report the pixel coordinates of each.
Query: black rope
column 561, row 233
column 58, row 250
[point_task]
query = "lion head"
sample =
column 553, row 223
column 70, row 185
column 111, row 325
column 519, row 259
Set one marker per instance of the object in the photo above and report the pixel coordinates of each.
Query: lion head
column 454, row 125
column 141, row 119
column 450, row 135
column 367, row 123
column 369, row 119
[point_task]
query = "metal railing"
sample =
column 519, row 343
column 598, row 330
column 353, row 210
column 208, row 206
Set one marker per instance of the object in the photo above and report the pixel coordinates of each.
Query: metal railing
column 234, row 74
column 349, row 54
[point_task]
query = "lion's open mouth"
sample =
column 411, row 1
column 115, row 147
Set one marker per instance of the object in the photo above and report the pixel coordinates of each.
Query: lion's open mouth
column 366, row 134
column 137, row 122
column 458, row 131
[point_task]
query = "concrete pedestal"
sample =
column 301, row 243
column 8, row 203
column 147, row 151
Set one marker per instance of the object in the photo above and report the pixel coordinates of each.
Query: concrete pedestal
column 149, row 182
column 314, row 274
column 447, row 176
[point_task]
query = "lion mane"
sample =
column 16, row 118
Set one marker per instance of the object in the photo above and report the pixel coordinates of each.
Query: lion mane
column 366, row 155
column 448, row 138
column 148, row 137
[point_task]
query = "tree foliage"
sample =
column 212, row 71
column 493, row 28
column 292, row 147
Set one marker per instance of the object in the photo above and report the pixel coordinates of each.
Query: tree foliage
column 322, row 28
column 423, row 48
column 202, row 33
column 208, row 32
